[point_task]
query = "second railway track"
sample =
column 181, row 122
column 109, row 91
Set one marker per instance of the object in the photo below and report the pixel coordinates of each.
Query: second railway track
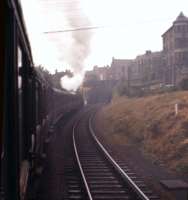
column 103, row 178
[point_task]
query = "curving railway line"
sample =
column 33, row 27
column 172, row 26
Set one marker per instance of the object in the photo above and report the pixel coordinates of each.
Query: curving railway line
column 80, row 168
column 102, row 176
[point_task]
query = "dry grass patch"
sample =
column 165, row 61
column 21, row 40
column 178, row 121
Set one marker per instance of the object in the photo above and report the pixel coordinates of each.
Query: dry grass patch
column 151, row 123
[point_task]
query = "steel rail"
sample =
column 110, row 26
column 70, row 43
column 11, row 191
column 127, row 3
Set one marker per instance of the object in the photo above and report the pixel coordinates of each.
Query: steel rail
column 116, row 166
column 79, row 163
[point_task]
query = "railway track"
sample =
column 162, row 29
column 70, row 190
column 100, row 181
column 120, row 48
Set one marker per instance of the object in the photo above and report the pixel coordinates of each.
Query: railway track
column 103, row 177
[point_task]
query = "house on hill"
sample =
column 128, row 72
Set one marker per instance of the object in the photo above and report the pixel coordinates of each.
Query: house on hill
column 175, row 50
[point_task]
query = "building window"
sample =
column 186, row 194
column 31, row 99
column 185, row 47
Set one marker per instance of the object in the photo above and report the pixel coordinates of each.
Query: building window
column 181, row 43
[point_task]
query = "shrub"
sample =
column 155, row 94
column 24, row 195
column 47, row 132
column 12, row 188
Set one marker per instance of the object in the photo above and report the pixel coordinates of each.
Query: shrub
column 184, row 84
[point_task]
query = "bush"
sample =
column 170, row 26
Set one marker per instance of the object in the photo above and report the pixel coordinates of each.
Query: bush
column 121, row 89
column 184, row 84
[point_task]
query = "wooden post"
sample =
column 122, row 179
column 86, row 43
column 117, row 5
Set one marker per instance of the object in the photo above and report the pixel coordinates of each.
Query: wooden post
column 176, row 109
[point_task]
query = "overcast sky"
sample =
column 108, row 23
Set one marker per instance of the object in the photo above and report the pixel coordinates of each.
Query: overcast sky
column 128, row 28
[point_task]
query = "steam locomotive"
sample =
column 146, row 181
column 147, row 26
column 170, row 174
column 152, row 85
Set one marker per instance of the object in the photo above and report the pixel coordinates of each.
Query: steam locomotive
column 30, row 106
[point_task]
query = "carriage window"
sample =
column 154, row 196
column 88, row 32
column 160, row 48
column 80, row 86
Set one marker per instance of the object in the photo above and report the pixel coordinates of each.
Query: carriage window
column 37, row 102
column 19, row 66
column 20, row 93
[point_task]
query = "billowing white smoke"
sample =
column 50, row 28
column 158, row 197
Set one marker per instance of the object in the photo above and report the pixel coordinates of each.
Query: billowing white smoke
column 71, row 83
column 79, row 47
column 59, row 51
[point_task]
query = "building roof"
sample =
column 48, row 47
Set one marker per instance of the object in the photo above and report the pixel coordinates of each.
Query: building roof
column 149, row 54
column 181, row 18
column 120, row 62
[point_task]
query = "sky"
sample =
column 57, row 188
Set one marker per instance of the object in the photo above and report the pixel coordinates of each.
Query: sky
column 124, row 29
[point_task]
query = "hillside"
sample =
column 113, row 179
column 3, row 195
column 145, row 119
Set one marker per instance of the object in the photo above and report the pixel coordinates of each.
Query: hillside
column 152, row 124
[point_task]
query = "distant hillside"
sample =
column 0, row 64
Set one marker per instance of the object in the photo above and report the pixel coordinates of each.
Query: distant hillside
column 152, row 124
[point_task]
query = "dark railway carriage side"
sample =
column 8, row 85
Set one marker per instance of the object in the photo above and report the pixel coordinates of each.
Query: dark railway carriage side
column 17, row 81
column 25, row 112
column 29, row 109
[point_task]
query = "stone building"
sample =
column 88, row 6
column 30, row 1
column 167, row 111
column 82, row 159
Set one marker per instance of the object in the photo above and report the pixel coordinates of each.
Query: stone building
column 119, row 68
column 90, row 75
column 152, row 69
column 98, row 74
column 175, row 51
column 102, row 73
column 147, row 69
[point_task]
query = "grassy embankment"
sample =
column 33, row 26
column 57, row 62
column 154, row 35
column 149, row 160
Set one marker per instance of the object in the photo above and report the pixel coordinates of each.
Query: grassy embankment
column 151, row 123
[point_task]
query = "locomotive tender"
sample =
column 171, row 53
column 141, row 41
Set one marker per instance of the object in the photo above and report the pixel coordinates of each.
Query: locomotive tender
column 29, row 109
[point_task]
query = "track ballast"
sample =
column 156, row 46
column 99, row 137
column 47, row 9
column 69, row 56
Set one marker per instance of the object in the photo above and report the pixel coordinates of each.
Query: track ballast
column 103, row 178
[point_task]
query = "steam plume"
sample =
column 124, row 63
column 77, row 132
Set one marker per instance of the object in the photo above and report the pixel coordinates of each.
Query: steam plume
column 80, row 46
